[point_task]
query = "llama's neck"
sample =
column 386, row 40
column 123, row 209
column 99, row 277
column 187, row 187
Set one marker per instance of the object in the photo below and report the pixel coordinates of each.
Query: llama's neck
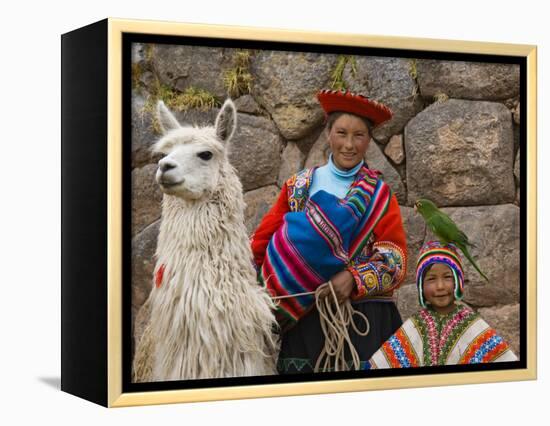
column 207, row 225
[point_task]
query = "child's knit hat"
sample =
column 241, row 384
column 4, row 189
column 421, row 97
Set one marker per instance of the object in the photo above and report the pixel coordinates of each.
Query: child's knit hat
column 435, row 252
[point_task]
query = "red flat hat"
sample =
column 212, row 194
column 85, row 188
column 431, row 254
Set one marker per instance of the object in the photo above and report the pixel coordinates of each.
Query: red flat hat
column 346, row 101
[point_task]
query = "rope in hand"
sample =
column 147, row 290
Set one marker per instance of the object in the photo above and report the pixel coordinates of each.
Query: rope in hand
column 335, row 319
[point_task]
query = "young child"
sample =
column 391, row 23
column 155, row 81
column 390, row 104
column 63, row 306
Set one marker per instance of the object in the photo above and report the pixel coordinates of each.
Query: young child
column 443, row 332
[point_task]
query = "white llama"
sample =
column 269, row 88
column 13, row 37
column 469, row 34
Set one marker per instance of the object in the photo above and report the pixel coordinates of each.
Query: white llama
column 208, row 316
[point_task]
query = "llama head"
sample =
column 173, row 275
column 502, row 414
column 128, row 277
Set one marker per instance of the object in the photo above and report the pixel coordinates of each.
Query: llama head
column 193, row 156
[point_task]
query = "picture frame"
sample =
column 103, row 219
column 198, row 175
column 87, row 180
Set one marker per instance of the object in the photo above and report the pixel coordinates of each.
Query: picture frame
column 97, row 311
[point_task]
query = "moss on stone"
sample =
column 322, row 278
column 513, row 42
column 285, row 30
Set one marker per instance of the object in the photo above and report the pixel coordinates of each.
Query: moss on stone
column 337, row 75
column 150, row 108
column 238, row 79
column 440, row 97
column 413, row 71
column 149, row 52
column 192, row 97
column 137, row 72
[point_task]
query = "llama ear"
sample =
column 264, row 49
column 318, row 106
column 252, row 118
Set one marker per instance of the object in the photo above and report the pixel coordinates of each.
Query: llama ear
column 226, row 121
column 166, row 118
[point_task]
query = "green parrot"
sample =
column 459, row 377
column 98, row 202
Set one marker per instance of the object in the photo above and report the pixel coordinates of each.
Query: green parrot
column 445, row 229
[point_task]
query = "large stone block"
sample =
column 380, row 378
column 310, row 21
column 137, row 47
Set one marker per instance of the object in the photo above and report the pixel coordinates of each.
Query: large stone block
column 517, row 175
column 143, row 135
column 494, row 230
column 389, row 81
column 248, row 105
column 258, row 202
column 144, row 246
column 461, row 153
column 376, row 159
column 286, row 85
column 292, row 161
column 415, row 231
column 255, row 151
column 468, row 80
column 146, row 197
column 516, row 167
column 394, row 149
column 180, row 67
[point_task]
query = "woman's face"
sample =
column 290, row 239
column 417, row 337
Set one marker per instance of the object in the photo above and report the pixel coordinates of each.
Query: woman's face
column 348, row 139
column 439, row 287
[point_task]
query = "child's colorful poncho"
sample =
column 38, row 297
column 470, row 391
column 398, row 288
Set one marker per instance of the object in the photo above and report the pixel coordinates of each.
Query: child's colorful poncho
column 429, row 338
column 314, row 244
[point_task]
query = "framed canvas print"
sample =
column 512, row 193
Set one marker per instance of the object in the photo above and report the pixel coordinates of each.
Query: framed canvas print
column 253, row 212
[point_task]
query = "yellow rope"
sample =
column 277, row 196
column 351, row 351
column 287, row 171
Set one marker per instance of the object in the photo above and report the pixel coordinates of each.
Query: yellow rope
column 335, row 319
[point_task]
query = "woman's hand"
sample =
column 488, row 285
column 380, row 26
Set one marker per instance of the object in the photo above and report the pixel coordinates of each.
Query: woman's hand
column 343, row 284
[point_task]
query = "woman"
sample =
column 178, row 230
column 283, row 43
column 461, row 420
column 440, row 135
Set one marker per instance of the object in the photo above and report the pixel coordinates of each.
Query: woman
column 377, row 269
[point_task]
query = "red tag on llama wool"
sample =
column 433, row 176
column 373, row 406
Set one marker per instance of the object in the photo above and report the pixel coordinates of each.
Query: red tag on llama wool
column 159, row 275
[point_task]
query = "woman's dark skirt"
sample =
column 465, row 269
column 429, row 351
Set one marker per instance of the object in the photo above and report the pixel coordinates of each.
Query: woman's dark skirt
column 302, row 344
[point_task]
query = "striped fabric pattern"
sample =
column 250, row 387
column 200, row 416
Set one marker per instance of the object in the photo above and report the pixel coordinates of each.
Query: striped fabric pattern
column 314, row 244
column 399, row 351
column 484, row 348
column 428, row 338
column 368, row 188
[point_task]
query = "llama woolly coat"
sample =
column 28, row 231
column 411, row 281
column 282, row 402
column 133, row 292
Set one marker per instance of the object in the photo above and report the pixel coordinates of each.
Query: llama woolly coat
column 208, row 316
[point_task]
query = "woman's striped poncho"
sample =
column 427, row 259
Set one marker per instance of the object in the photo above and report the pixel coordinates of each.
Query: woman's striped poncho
column 314, row 244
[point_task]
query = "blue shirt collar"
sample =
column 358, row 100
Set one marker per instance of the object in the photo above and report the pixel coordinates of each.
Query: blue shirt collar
column 343, row 173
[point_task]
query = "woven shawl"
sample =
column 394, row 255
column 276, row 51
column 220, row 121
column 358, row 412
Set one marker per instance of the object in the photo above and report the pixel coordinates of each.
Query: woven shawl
column 462, row 337
column 314, row 244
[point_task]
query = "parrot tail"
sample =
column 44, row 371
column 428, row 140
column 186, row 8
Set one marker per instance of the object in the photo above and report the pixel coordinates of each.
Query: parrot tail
column 472, row 261
column 463, row 238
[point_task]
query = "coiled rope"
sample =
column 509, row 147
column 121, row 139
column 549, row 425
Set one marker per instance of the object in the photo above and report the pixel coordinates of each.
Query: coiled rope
column 335, row 320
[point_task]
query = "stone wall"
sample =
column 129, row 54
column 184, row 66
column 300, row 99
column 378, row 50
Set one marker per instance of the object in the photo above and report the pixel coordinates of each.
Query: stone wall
column 454, row 138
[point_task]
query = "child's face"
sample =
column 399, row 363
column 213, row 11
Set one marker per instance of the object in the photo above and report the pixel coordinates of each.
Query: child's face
column 439, row 287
